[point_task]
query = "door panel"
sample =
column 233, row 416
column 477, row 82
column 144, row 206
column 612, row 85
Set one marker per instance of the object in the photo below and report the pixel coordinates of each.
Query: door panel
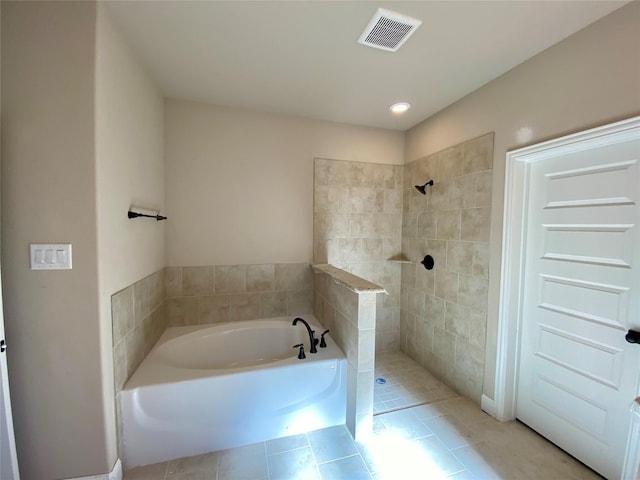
column 577, row 374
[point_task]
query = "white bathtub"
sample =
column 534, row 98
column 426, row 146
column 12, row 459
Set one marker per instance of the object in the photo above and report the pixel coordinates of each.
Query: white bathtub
column 214, row 387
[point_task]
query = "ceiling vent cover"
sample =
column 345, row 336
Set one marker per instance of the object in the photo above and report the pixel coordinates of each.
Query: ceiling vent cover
column 388, row 30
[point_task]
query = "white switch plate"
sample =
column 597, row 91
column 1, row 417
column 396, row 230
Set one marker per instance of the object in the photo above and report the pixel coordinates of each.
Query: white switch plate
column 50, row 256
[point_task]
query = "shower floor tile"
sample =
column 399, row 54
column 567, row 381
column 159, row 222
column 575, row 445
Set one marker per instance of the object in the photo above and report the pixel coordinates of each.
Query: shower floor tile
column 407, row 384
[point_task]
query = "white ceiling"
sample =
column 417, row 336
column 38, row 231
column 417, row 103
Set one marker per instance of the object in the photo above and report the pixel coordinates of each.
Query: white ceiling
column 302, row 57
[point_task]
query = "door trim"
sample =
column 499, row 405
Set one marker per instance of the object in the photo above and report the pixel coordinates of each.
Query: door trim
column 513, row 256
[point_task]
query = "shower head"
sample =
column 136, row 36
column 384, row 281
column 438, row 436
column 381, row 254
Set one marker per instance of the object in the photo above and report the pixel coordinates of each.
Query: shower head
column 422, row 188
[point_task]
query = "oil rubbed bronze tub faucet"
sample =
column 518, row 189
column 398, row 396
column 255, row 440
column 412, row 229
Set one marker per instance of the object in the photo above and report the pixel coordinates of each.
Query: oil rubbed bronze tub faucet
column 312, row 339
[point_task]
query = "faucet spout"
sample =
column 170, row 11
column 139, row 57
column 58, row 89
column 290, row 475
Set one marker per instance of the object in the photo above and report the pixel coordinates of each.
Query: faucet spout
column 312, row 339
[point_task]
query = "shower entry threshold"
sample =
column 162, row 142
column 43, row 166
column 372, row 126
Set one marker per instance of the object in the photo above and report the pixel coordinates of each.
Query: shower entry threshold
column 402, row 383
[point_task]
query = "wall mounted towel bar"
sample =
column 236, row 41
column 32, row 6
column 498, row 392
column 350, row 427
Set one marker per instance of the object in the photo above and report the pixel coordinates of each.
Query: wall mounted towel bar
column 132, row 214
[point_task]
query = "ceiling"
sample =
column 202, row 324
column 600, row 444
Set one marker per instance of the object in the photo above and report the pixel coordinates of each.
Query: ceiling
column 302, row 57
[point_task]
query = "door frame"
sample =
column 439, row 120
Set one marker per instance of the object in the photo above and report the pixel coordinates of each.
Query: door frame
column 515, row 224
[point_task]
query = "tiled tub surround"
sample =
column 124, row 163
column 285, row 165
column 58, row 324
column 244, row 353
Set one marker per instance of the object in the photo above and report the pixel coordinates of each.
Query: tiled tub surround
column 346, row 305
column 444, row 310
column 226, row 293
column 138, row 320
column 357, row 227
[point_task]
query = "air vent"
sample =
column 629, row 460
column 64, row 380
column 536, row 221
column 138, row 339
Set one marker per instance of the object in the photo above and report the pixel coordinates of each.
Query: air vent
column 388, row 30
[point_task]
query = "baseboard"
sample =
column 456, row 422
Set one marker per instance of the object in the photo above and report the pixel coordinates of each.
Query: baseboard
column 488, row 406
column 115, row 474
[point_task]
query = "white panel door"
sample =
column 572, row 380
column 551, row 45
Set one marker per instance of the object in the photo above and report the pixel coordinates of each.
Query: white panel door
column 577, row 375
column 8, row 455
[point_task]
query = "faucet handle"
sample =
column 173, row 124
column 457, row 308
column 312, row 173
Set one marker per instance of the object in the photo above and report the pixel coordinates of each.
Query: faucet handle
column 301, row 354
column 323, row 343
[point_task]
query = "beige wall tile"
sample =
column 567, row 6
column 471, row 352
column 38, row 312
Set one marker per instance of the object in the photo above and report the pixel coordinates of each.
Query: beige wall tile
column 478, row 154
column 141, row 301
column 299, row 302
column 173, row 281
column 153, row 326
column 425, row 280
column 213, row 309
column 244, row 306
column 435, row 311
column 197, row 281
column 156, row 289
column 374, row 249
column 339, row 173
column 473, row 292
column 450, row 162
column 349, row 250
column 261, row 278
column 437, row 195
column 483, row 182
column 120, row 374
column 477, row 328
column 293, row 276
column 475, row 224
column 469, row 359
column 122, row 314
column 366, row 316
column 448, row 225
column 460, row 257
column 384, row 176
column 447, row 285
column 387, row 341
column 416, row 302
column 321, row 174
column 274, row 304
column 230, row 279
column 393, row 201
column 444, row 345
column 427, row 222
column 480, row 267
column 462, row 192
column 398, row 175
column 182, row 311
column 365, row 200
column 457, row 320
column 366, row 350
column 134, row 345
column 424, row 334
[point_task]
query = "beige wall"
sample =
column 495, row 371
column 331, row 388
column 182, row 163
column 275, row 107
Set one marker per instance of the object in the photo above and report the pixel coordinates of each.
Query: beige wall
column 591, row 78
column 48, row 195
column 82, row 140
column 129, row 172
column 239, row 186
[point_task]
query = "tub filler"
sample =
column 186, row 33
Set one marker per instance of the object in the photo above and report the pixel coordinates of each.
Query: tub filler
column 213, row 387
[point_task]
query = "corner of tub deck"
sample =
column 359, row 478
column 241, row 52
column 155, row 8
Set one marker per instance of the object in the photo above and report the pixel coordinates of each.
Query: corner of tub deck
column 348, row 280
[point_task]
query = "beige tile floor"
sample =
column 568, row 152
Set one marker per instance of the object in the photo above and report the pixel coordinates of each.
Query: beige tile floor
column 450, row 438
column 407, row 384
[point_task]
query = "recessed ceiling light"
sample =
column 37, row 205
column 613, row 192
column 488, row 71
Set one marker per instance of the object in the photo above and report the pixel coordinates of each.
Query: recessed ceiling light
column 400, row 107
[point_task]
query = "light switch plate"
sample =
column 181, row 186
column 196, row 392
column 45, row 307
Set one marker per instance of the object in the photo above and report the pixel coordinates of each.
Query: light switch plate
column 50, row 256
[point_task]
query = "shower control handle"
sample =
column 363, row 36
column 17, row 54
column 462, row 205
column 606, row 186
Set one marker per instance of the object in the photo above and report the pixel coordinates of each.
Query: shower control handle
column 323, row 343
column 301, row 354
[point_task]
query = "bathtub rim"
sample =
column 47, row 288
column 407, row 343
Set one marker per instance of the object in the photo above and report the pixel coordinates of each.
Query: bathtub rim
column 153, row 371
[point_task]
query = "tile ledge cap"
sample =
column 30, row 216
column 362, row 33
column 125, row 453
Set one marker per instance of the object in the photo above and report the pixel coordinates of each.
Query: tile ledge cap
column 348, row 280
